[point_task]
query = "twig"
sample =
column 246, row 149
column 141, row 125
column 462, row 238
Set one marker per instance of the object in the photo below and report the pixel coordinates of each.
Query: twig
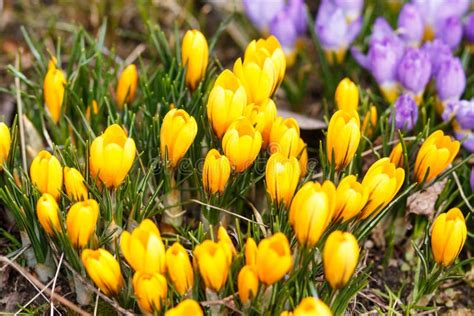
column 458, row 183
column 33, row 298
column 38, row 284
column 227, row 301
column 96, row 306
column 373, row 300
column 20, row 113
column 54, row 281
column 134, row 54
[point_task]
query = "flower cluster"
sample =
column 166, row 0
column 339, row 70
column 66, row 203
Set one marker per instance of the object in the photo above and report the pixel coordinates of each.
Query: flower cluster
column 399, row 62
column 114, row 197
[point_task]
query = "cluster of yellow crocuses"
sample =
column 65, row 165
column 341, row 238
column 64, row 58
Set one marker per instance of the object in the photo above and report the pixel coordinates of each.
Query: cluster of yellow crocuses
column 244, row 118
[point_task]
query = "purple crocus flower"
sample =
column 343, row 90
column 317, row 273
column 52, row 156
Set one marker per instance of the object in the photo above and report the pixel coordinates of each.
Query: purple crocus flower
column 283, row 28
column 406, row 112
column 333, row 29
column 469, row 28
column 382, row 59
column 440, row 9
column 414, row 70
column 438, row 52
column 261, row 12
column 352, row 8
column 381, row 30
column 466, row 136
column 410, row 25
column 465, row 114
column 472, row 179
column 297, row 12
column 450, row 80
column 449, row 30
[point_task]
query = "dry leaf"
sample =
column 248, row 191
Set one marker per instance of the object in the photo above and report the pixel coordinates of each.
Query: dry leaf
column 423, row 202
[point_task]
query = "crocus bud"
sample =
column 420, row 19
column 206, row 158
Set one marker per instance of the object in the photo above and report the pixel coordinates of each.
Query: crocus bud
column 312, row 210
column 177, row 134
column 46, row 174
column 216, row 172
column 410, row 24
column 396, row 156
column 469, row 28
column 259, row 51
column 449, row 30
column 250, row 252
column 259, row 79
column 47, row 210
column 383, row 180
column 260, row 13
column 226, row 102
column 241, row 144
column 347, row 95
column 406, row 112
column 312, row 306
column 186, row 308
column 104, row 270
column 342, row 138
column 370, row 122
column 53, row 90
column 274, row 259
column 262, row 117
column 127, row 86
column 5, row 143
column 303, row 157
column 74, row 183
column 213, row 262
column 194, row 56
column 414, row 71
column 436, row 154
column 284, row 137
column 179, row 268
column 143, row 248
column 81, row 222
column 111, row 156
column 282, row 175
column 450, row 80
column 247, row 283
column 94, row 108
column 150, row 291
column 223, row 237
column 340, row 258
column 351, row 198
column 448, row 235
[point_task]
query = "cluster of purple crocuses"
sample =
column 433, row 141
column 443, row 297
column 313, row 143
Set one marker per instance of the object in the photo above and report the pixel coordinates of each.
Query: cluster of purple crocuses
column 398, row 60
column 284, row 19
column 403, row 61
